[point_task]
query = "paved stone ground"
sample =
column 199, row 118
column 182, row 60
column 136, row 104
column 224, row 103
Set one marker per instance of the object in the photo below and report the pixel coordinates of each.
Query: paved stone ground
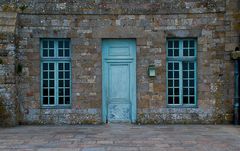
column 121, row 137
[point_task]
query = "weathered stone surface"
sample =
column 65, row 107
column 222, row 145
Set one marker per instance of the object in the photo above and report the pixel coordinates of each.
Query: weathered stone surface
column 86, row 23
column 8, row 106
column 143, row 7
column 235, row 55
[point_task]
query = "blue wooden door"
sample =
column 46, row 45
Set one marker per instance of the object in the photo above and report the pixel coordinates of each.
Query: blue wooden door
column 119, row 80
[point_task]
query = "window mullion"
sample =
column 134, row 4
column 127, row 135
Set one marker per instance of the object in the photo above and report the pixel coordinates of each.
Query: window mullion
column 55, row 84
column 56, row 72
column 181, row 71
column 181, row 49
column 181, row 82
column 195, row 74
column 195, row 82
column 41, row 77
column 56, row 48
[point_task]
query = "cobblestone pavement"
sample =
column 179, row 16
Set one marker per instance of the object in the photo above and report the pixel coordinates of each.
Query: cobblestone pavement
column 121, row 137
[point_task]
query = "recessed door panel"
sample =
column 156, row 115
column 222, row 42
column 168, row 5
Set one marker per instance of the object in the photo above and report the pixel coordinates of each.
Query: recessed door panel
column 119, row 82
column 119, row 92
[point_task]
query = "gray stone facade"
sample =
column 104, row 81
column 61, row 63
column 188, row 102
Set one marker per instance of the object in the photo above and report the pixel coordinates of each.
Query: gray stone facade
column 214, row 23
column 8, row 91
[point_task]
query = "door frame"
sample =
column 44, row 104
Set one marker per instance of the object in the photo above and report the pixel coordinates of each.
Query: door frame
column 105, row 62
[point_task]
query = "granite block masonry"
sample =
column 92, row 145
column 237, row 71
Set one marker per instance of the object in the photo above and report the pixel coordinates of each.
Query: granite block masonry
column 213, row 23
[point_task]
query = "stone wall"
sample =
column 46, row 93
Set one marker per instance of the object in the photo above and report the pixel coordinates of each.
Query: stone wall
column 7, row 69
column 86, row 23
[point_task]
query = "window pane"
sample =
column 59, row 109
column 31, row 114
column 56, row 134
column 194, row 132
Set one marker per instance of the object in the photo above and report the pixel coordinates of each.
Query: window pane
column 192, row 100
column 170, row 91
column 185, row 66
column 191, row 83
column 67, row 100
column 170, row 52
column 191, row 91
column 185, row 44
column 170, row 83
column 176, row 74
column 185, row 83
column 51, row 44
column 66, row 44
column 60, row 83
column 60, row 66
column 45, row 92
column 51, row 66
column 45, row 52
column 51, row 83
column 185, row 52
column 176, row 83
column 67, row 83
column 170, row 44
column 60, row 75
column 192, row 43
column 60, row 52
column 45, row 83
column 191, row 74
column 67, row 53
column 176, row 66
column 185, row 74
column 45, row 66
column 170, row 74
column 176, row 44
column 191, row 66
column 60, row 92
column 185, row 91
column 176, row 100
column 185, row 100
column 170, row 66
column 51, row 52
column 60, row 44
column 45, row 75
column 51, row 75
column 51, row 100
column 67, row 92
column 170, row 100
column 51, row 92
column 176, row 91
column 67, row 75
column 191, row 52
column 60, row 100
column 176, row 52
column 45, row 44
column 45, row 100
column 67, row 66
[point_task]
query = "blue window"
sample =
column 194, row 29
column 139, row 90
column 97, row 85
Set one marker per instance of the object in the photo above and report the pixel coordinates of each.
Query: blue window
column 55, row 72
column 181, row 72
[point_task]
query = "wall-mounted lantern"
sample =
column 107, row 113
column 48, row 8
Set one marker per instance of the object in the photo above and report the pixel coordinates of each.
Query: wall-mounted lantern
column 151, row 71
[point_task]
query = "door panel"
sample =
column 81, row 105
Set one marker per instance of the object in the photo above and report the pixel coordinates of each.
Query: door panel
column 119, row 92
column 119, row 80
column 119, row 51
column 119, row 112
